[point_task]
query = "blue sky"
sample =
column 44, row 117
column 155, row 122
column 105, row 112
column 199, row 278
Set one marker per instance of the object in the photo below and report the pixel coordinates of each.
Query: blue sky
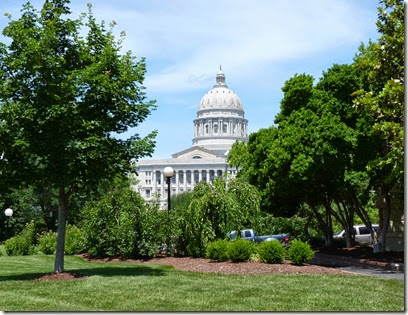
column 259, row 43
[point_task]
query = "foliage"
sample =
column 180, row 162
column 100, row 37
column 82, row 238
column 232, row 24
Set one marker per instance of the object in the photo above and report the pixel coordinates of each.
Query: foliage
column 218, row 250
column 300, row 252
column 213, row 211
column 298, row 227
column 75, row 240
column 64, row 94
column 272, row 252
column 47, row 243
column 317, row 154
column 383, row 101
column 22, row 244
column 119, row 224
column 240, row 250
column 297, row 92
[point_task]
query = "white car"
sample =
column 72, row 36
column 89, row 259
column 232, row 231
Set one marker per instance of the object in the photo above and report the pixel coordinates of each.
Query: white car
column 362, row 235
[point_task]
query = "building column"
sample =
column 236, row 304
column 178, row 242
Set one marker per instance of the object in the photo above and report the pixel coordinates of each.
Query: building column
column 200, row 176
column 162, row 194
column 184, row 180
column 177, row 182
column 154, row 187
column 192, row 179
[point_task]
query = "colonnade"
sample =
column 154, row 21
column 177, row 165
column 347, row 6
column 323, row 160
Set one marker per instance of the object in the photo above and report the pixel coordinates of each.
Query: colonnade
column 182, row 180
column 232, row 127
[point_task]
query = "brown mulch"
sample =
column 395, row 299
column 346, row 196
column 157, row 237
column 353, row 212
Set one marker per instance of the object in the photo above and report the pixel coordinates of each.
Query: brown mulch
column 207, row 265
column 61, row 276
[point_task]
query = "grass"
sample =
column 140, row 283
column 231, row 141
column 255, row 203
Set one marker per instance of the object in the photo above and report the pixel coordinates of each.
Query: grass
column 133, row 287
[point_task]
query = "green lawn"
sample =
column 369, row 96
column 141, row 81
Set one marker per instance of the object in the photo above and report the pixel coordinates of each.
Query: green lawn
column 132, row 287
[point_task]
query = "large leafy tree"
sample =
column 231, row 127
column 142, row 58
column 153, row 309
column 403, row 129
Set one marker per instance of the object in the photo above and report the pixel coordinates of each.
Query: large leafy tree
column 316, row 153
column 383, row 100
column 63, row 98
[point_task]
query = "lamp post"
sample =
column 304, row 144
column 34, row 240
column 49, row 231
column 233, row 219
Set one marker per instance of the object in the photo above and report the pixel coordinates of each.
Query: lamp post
column 8, row 212
column 168, row 173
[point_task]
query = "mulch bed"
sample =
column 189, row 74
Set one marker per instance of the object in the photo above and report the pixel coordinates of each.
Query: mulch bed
column 228, row 267
column 61, row 276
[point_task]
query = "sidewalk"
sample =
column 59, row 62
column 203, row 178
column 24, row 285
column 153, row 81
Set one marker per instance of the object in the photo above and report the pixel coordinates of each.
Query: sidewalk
column 336, row 260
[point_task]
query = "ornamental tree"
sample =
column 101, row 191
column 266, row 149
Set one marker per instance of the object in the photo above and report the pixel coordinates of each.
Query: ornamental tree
column 383, row 100
column 64, row 98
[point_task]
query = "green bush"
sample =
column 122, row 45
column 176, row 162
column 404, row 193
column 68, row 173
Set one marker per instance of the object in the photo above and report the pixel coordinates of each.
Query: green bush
column 47, row 243
column 300, row 252
column 74, row 242
column 218, row 250
column 240, row 250
column 22, row 244
column 120, row 224
column 272, row 252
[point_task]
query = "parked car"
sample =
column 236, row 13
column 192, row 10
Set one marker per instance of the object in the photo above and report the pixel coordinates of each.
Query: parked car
column 250, row 235
column 362, row 235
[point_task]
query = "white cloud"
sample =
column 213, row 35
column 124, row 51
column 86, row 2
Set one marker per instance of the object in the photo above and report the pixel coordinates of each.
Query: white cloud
column 192, row 35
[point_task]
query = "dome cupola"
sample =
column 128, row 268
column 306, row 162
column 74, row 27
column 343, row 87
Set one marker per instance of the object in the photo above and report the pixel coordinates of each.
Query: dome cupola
column 220, row 96
column 220, row 117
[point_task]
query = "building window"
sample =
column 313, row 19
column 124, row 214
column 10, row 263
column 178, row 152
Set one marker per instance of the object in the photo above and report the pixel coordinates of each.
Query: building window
column 148, row 181
column 196, row 157
column 147, row 193
column 158, row 175
column 148, row 174
column 224, row 128
column 215, row 128
column 206, row 128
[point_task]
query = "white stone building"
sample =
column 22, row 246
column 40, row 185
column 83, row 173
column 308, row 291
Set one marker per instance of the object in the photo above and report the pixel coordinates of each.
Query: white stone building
column 220, row 122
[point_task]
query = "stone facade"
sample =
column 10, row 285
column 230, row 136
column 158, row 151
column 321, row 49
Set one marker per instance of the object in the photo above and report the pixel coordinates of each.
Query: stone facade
column 220, row 122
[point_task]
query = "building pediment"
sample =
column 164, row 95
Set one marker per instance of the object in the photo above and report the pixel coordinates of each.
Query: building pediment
column 196, row 152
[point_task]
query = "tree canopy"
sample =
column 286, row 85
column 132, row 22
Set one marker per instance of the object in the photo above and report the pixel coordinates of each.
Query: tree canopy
column 63, row 100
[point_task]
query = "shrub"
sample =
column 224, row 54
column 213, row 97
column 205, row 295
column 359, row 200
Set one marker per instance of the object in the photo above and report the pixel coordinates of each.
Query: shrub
column 240, row 250
column 21, row 244
column 119, row 224
column 272, row 252
column 74, row 240
column 218, row 250
column 300, row 252
column 47, row 243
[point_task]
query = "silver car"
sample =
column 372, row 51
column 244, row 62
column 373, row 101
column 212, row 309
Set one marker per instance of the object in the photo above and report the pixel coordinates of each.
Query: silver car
column 361, row 233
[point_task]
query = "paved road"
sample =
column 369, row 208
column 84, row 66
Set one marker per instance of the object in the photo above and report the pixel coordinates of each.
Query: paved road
column 373, row 271
column 349, row 265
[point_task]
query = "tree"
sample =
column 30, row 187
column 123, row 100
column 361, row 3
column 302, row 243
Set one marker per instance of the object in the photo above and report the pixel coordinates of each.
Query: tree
column 215, row 209
column 63, row 98
column 383, row 100
column 316, row 155
column 297, row 92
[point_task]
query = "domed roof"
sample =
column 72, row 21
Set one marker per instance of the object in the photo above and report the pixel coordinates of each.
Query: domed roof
column 220, row 97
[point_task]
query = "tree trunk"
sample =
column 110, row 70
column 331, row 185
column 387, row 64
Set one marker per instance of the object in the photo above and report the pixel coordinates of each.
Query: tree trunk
column 324, row 224
column 385, row 205
column 363, row 215
column 62, row 219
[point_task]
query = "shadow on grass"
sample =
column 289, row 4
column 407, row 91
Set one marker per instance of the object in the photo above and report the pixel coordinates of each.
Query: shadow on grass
column 104, row 272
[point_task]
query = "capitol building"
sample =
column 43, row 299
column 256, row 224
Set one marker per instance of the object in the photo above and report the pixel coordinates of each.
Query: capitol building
column 220, row 122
